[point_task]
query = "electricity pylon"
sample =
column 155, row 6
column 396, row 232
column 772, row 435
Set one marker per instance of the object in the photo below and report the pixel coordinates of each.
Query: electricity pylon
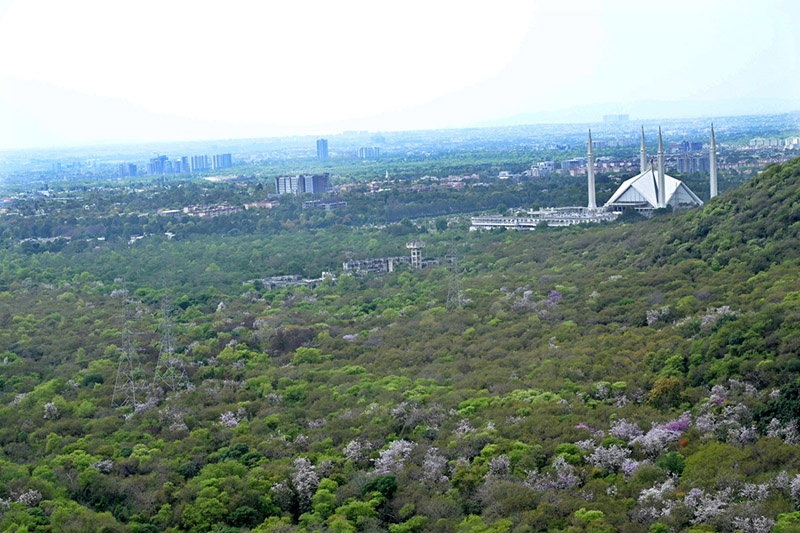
column 170, row 370
column 129, row 369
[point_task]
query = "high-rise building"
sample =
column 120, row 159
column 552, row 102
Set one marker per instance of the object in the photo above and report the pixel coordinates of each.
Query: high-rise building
column 309, row 184
column 199, row 163
column 369, row 152
column 157, row 165
column 322, row 149
column 316, row 184
column 693, row 163
column 126, row 169
column 287, row 185
column 685, row 146
column 221, row 161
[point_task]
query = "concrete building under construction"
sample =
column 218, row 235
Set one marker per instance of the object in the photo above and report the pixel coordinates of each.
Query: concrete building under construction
column 387, row 264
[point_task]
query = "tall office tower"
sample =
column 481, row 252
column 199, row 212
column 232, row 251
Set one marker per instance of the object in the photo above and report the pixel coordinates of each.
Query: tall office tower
column 322, row 149
column 199, row 162
column 316, row 184
column 127, row 169
column 288, row 185
column 306, row 183
column 157, row 165
column 221, row 161
column 369, row 152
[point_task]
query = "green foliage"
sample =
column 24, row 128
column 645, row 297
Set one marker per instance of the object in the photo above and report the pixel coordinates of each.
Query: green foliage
column 243, row 517
column 709, row 462
column 416, row 524
column 206, row 510
column 356, row 511
column 570, row 452
column 785, row 407
column 787, row 523
column 324, row 500
column 588, row 516
column 385, row 484
column 475, row 524
column 673, row 462
column 307, row 356
column 489, row 397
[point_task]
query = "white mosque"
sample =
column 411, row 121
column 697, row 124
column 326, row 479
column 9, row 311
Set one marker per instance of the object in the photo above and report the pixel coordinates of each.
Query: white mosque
column 653, row 189
column 649, row 190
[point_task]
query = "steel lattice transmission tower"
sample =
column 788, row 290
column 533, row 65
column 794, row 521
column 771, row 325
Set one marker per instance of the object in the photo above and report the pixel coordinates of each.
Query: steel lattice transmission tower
column 455, row 298
column 170, row 370
column 129, row 370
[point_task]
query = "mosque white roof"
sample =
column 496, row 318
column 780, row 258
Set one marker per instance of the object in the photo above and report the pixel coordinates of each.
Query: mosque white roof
column 643, row 188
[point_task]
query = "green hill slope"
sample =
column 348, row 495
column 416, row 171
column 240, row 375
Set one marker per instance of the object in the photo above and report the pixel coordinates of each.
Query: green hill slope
column 630, row 377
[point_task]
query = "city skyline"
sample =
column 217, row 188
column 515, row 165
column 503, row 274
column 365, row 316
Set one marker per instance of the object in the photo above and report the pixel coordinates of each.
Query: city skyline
column 74, row 80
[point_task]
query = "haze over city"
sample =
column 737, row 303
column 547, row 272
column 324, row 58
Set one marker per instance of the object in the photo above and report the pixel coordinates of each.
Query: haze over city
column 101, row 72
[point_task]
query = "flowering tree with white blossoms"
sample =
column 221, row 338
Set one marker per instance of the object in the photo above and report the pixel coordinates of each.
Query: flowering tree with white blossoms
column 305, row 482
column 391, row 459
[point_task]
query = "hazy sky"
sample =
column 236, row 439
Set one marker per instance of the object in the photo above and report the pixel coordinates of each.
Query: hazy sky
column 82, row 71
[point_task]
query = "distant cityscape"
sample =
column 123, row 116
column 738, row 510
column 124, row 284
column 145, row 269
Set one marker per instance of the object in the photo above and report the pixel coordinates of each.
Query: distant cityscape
column 745, row 142
column 683, row 156
column 746, row 150
column 161, row 164
column 182, row 165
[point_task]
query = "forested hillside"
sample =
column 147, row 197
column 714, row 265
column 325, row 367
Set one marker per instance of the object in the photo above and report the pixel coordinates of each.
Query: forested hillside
column 629, row 377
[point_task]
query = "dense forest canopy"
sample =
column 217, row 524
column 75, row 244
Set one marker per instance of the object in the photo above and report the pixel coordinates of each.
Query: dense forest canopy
column 638, row 376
